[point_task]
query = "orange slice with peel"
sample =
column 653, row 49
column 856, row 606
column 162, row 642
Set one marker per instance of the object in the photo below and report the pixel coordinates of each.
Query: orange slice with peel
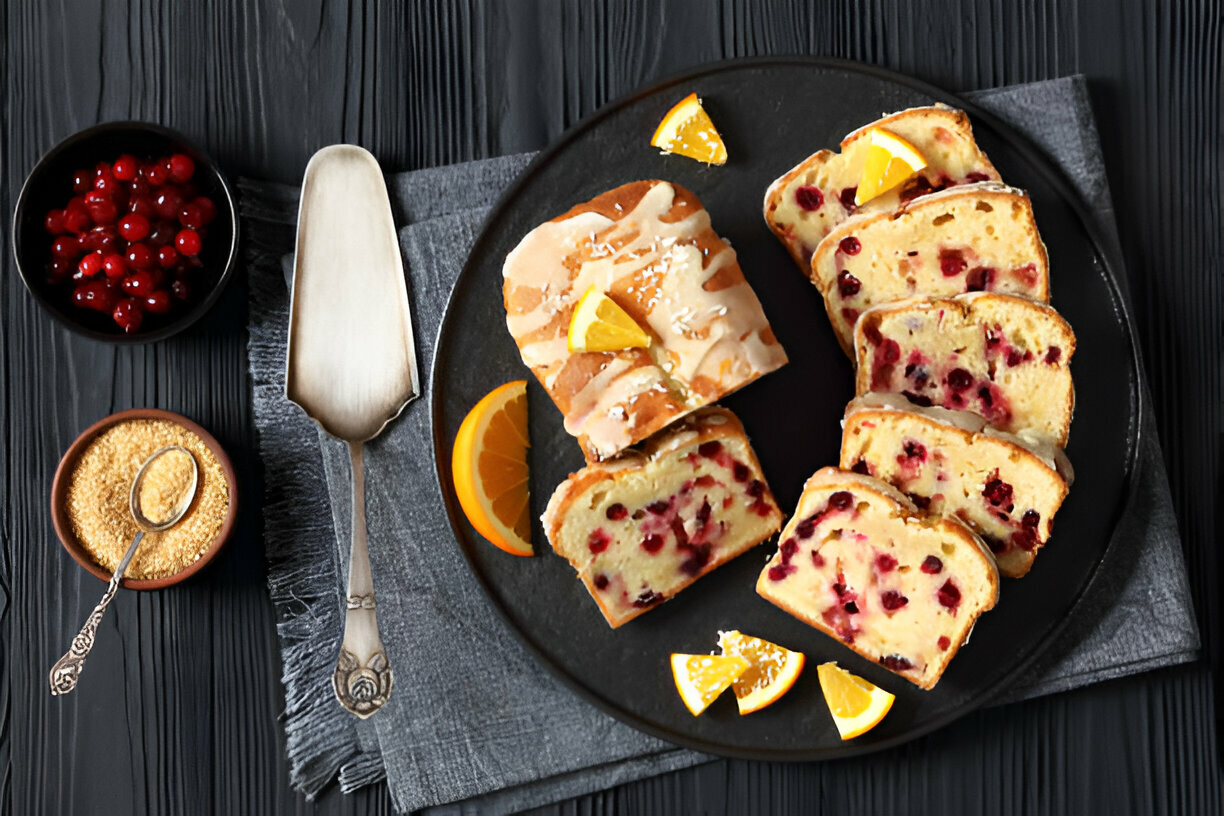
column 687, row 130
column 890, row 161
column 857, row 706
column 599, row 324
column 489, row 467
column 772, row 670
column 700, row 679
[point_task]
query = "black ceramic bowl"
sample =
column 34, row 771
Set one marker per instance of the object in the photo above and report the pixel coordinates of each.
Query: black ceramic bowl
column 49, row 186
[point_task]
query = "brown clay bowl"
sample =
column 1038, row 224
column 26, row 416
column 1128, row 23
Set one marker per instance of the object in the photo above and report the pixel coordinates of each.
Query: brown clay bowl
column 63, row 473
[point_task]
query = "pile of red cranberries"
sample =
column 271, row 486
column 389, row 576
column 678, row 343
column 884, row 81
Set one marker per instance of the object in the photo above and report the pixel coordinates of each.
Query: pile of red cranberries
column 129, row 240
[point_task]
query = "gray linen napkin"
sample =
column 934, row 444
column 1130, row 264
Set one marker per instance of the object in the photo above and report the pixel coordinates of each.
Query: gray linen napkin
column 474, row 716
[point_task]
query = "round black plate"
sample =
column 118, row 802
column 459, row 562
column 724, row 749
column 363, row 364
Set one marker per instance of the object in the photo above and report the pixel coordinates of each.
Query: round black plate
column 774, row 113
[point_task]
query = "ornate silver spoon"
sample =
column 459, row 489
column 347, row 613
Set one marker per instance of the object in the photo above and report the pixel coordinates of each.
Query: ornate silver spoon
column 67, row 669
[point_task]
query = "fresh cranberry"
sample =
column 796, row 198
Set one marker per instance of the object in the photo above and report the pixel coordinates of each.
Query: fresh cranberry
column 114, row 265
column 943, row 643
column 848, row 285
column 190, row 216
column 850, row 245
column 841, row 500
column 156, row 174
column 181, row 167
column 847, row 198
column 949, row 595
column 208, row 210
column 162, row 234
column 960, row 380
column 1030, row 520
column 862, row 467
column 805, row 528
column 139, row 256
column 741, row 472
column 893, row 600
column 54, row 222
column 932, row 565
column 143, row 206
column 94, row 295
column 158, row 302
column 600, row 581
column 809, row 198
column 128, row 314
column 59, row 268
column 104, row 179
column 885, row 562
column 168, row 202
column 652, row 543
column 978, row 279
column 658, row 508
column 890, row 352
column 914, row 450
column 598, row 541
column 65, row 246
column 181, row 290
column 1053, row 355
column 167, row 257
column 951, row 263
column 997, row 492
column 82, row 180
column 187, row 242
column 90, row 265
column 616, row 512
column 134, row 227
column 139, row 283
column 895, row 662
column 126, row 167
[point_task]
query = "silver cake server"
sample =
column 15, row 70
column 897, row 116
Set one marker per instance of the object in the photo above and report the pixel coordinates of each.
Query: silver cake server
column 351, row 364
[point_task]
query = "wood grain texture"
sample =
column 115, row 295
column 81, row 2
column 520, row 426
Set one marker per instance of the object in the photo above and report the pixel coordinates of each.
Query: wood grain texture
column 176, row 712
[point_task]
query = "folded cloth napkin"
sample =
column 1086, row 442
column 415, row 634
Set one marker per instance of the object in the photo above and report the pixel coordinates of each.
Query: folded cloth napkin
column 473, row 714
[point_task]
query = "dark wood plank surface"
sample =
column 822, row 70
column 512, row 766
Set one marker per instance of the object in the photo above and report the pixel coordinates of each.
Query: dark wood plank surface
column 177, row 712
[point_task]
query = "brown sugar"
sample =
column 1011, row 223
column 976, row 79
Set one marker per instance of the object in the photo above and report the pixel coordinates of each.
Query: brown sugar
column 100, row 485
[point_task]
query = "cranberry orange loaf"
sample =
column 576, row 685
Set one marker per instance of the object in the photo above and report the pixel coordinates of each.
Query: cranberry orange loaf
column 1004, row 358
column 643, row 526
column 802, row 206
column 649, row 246
column 976, row 237
column 861, row 563
column 951, row 463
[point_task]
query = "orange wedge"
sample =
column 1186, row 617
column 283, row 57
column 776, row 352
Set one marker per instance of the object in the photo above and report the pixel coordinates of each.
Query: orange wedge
column 857, row 706
column 688, row 131
column 489, row 466
column 890, row 161
column 599, row 324
column 772, row 670
column 701, row 678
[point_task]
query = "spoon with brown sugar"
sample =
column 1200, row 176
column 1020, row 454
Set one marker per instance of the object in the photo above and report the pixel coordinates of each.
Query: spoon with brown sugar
column 160, row 496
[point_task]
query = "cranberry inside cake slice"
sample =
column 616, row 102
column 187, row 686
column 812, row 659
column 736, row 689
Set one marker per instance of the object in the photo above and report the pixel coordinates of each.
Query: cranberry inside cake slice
column 973, row 238
column 640, row 528
column 815, row 196
column 1004, row 358
column 861, row 563
column 949, row 463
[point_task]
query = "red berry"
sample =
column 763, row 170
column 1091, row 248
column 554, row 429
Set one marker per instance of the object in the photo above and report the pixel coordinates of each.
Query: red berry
column 191, row 216
column 138, row 186
column 139, row 283
column 94, row 294
column 143, row 205
column 58, row 269
column 66, row 246
column 156, row 174
column 168, row 203
column 101, row 239
column 158, row 302
column 180, row 289
column 82, row 180
column 54, row 222
column 128, row 313
column 77, row 219
column 126, row 167
column 134, row 227
column 104, row 211
column 139, row 256
column 90, row 265
column 207, row 208
column 181, row 167
column 188, row 242
column 114, row 265
column 167, row 256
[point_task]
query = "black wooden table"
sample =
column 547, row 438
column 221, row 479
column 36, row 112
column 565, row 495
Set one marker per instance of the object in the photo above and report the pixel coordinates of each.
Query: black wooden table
column 178, row 709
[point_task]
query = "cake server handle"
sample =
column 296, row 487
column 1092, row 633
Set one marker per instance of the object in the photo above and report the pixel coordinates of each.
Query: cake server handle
column 362, row 680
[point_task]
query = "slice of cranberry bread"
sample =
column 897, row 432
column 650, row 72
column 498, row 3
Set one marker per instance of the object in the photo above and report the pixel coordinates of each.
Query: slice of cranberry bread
column 976, row 237
column 650, row 247
column 642, row 527
column 860, row 562
column 1005, row 358
column 952, row 463
column 802, row 206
